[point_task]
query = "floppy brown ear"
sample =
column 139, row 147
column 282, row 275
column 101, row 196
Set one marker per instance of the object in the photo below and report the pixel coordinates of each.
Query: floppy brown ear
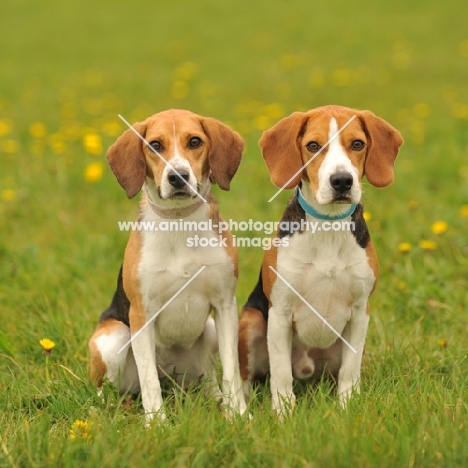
column 384, row 142
column 127, row 160
column 281, row 151
column 225, row 151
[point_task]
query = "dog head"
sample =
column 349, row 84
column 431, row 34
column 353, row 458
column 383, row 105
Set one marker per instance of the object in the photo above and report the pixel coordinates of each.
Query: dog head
column 185, row 152
column 330, row 152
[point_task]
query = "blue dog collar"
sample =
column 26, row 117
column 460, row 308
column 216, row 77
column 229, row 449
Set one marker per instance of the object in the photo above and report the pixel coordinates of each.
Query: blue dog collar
column 315, row 214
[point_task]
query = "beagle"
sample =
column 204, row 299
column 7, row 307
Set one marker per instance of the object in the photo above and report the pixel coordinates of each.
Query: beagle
column 159, row 322
column 309, row 311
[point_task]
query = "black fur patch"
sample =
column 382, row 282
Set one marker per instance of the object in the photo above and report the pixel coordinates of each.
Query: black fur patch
column 257, row 299
column 120, row 305
column 360, row 232
column 293, row 213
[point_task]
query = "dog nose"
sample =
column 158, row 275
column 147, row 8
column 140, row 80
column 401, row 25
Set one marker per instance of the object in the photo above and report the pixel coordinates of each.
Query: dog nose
column 341, row 181
column 179, row 178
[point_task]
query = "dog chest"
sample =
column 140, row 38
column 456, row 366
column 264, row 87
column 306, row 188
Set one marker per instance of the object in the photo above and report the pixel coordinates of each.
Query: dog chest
column 181, row 283
column 332, row 274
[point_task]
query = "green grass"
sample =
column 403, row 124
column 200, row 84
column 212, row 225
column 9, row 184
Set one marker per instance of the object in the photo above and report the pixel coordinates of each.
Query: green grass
column 74, row 67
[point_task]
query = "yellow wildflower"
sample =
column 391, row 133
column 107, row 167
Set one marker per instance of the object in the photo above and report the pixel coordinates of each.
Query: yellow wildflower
column 439, row 227
column 10, row 146
column 405, row 247
column 442, row 343
column 262, row 122
column 367, row 216
column 179, row 89
column 421, row 110
column 8, row 194
column 427, row 244
column 92, row 143
column 47, row 344
column 112, row 129
column 80, row 430
column 464, row 211
column 94, row 171
column 37, row 130
column 5, row 127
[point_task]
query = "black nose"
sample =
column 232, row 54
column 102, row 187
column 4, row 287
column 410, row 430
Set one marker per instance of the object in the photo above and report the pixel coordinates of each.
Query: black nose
column 341, row 182
column 178, row 180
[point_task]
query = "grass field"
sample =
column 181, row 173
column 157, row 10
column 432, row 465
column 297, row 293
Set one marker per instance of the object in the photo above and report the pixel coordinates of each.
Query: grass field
column 66, row 72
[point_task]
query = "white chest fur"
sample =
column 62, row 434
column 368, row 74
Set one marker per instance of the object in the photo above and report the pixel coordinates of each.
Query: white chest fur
column 332, row 273
column 168, row 263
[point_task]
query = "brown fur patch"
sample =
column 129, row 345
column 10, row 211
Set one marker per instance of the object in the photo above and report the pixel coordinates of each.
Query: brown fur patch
column 97, row 367
column 373, row 262
column 231, row 249
column 251, row 321
column 131, row 281
column 268, row 275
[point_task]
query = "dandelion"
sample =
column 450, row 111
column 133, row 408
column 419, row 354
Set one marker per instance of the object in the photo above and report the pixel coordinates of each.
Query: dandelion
column 367, row 216
column 442, row 343
column 111, row 129
column 47, row 344
column 10, row 146
column 37, row 130
column 80, row 430
column 93, row 172
column 5, row 127
column 262, row 122
column 92, row 143
column 8, row 195
column 341, row 77
column 274, row 110
column 421, row 110
column 405, row 247
column 186, row 71
column 439, row 227
column 464, row 211
column 179, row 90
column 427, row 244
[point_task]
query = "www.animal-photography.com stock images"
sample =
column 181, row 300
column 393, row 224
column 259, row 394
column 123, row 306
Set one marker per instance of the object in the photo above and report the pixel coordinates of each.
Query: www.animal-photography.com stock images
column 234, row 234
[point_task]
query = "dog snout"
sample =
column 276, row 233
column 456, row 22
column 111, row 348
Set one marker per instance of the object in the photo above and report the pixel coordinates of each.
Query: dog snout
column 341, row 182
column 178, row 179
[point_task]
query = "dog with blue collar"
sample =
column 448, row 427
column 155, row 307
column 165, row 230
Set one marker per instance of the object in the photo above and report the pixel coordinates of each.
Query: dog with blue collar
column 309, row 311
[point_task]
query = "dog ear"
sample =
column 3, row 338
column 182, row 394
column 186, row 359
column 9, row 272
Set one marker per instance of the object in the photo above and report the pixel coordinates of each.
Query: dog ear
column 127, row 160
column 383, row 145
column 281, row 151
column 225, row 151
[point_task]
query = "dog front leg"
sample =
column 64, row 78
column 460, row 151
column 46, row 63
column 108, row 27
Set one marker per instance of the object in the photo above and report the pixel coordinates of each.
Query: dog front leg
column 144, row 352
column 350, row 370
column 227, row 324
column 279, row 337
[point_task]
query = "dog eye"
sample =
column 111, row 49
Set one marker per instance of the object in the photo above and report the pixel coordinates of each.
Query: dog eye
column 156, row 145
column 195, row 142
column 357, row 145
column 313, row 146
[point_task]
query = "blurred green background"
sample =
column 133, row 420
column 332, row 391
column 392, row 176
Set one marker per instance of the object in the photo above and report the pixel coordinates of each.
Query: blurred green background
column 67, row 70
